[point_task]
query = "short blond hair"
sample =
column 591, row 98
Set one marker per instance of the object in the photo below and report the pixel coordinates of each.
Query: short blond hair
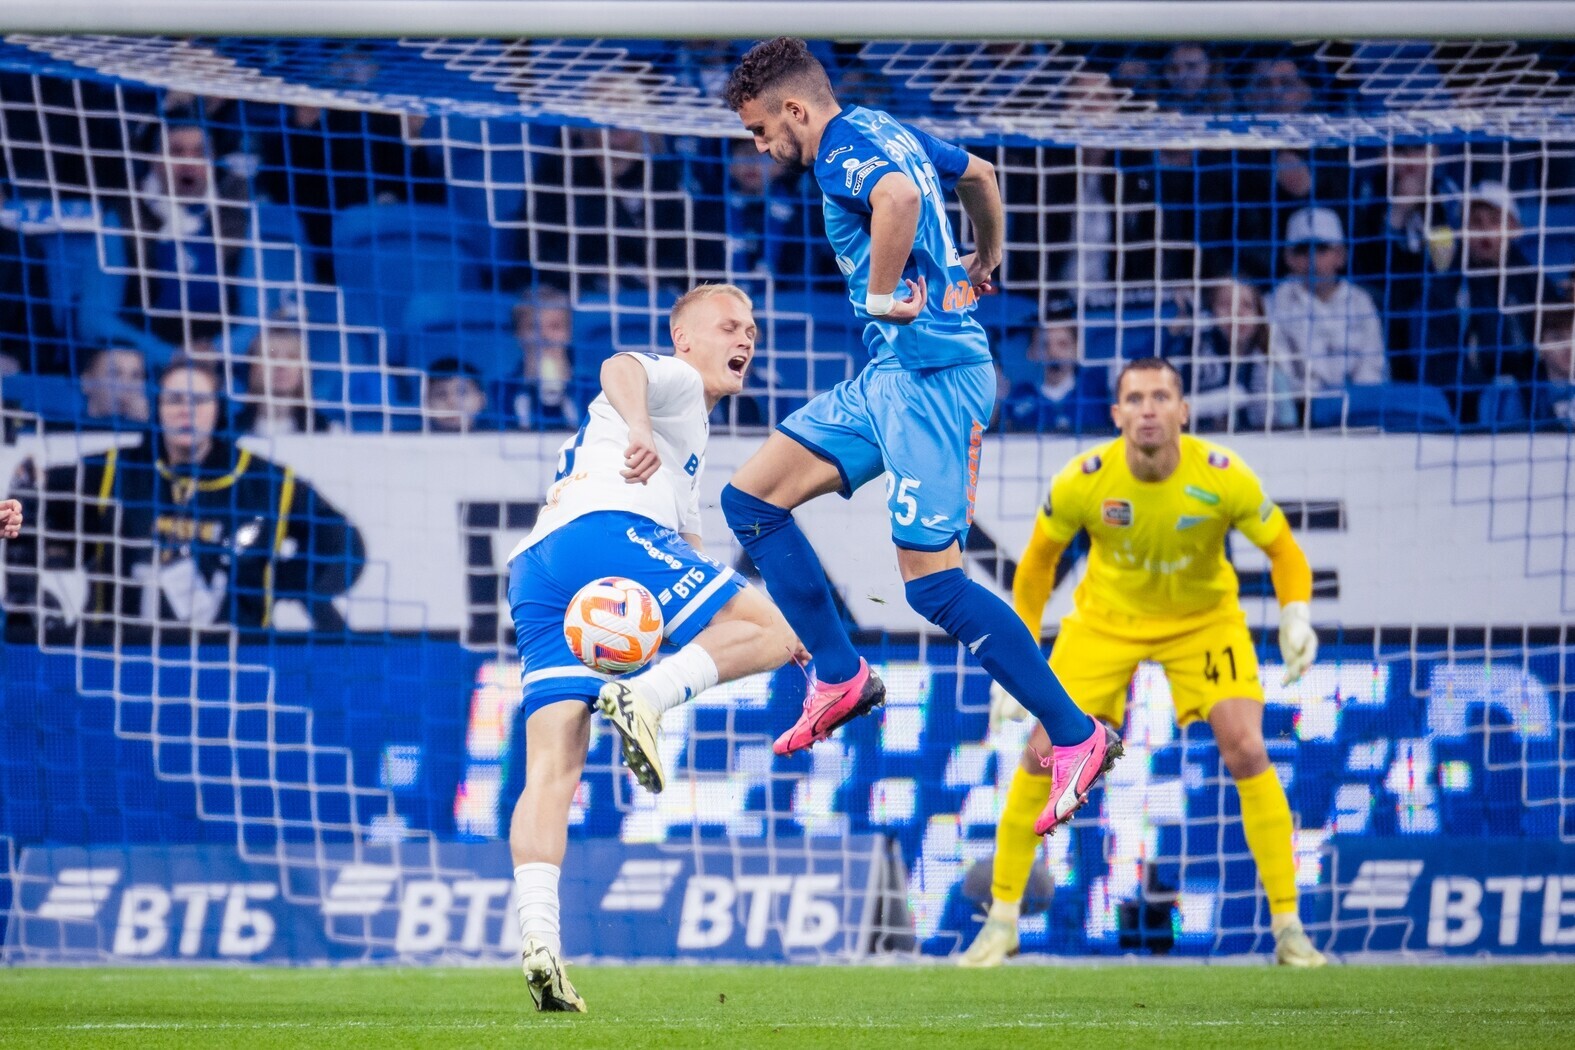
column 701, row 292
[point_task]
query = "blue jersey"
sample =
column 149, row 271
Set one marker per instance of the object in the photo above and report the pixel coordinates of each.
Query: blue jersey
column 858, row 148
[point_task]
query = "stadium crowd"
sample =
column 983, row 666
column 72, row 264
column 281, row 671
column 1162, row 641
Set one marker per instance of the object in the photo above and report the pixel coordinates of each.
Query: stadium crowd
column 367, row 271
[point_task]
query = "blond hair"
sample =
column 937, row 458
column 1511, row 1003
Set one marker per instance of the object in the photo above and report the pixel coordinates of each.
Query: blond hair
column 701, row 292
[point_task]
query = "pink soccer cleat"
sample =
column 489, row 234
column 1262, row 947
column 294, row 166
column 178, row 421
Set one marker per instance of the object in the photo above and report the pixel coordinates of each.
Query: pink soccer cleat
column 829, row 706
column 1076, row 769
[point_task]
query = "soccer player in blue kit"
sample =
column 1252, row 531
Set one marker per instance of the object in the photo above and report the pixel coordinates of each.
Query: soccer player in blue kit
column 916, row 412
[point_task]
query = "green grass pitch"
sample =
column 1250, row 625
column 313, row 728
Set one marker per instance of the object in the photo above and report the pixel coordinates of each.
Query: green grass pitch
column 799, row 1008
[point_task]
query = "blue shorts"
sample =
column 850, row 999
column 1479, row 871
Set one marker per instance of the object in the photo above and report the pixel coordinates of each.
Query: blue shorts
column 690, row 587
column 922, row 429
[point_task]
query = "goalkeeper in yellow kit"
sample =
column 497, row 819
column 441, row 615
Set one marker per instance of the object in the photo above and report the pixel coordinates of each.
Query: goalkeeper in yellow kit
column 1157, row 505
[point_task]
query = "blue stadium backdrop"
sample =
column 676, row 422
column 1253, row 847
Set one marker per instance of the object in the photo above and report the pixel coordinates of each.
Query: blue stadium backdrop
column 271, row 716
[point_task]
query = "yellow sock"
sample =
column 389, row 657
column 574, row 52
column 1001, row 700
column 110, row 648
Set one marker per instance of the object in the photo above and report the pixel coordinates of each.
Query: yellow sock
column 1015, row 841
column 1266, row 820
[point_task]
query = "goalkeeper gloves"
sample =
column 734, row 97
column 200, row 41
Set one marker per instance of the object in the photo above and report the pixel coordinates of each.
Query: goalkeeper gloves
column 1298, row 641
column 1004, row 707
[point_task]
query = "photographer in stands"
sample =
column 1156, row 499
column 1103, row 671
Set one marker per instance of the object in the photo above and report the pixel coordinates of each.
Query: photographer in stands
column 187, row 529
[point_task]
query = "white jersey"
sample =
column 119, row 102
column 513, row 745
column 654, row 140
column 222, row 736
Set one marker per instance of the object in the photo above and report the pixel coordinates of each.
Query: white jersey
column 590, row 463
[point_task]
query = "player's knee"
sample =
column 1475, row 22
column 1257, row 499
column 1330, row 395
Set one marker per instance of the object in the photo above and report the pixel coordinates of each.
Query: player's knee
column 749, row 515
column 935, row 596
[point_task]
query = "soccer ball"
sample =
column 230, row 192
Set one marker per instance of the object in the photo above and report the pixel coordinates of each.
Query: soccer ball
column 614, row 625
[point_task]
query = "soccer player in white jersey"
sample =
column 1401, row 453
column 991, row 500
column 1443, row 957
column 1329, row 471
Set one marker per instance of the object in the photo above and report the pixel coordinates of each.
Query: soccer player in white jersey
column 916, row 413
column 626, row 502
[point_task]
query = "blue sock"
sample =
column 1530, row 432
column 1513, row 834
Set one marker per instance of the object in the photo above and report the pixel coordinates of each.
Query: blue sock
column 1000, row 642
column 795, row 579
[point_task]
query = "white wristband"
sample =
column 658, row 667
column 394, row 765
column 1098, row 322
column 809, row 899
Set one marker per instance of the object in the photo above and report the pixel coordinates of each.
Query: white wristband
column 876, row 305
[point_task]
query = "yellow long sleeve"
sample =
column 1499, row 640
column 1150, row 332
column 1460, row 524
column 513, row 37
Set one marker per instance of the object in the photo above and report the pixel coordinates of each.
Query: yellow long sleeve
column 1035, row 577
column 1288, row 568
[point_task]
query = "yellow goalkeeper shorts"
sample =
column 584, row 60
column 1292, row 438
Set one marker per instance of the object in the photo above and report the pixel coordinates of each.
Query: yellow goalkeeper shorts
column 1204, row 665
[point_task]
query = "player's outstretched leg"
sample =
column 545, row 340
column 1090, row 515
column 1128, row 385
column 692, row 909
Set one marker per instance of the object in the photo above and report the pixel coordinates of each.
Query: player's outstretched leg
column 748, row 635
column 1082, row 750
column 556, row 738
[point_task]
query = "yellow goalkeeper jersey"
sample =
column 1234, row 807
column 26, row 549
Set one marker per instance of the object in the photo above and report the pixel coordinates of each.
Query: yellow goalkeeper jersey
column 1158, row 548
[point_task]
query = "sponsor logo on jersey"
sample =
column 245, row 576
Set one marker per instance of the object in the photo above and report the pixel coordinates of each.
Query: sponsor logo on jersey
column 1117, row 513
column 1092, row 464
column 1203, row 495
column 1219, row 460
column 834, row 154
column 859, row 170
column 1186, row 521
column 1266, row 510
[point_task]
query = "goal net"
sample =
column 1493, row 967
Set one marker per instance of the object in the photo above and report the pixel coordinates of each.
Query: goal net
column 267, row 708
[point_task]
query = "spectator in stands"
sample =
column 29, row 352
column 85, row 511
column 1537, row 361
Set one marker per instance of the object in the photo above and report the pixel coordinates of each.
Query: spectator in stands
column 1069, row 398
column 115, row 389
column 1553, row 386
column 1277, row 85
column 1270, row 187
column 1327, row 327
column 1405, row 249
column 326, row 160
column 1227, row 363
column 29, row 339
column 455, row 400
column 276, row 379
column 1193, row 83
column 190, row 235
column 543, row 395
column 612, row 210
column 186, row 529
column 1081, row 223
column 1502, row 290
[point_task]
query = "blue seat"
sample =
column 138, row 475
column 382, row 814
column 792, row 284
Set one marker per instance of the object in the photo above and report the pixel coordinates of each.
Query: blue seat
column 386, row 253
column 603, row 326
column 54, row 399
column 1400, row 407
column 477, row 327
column 86, row 255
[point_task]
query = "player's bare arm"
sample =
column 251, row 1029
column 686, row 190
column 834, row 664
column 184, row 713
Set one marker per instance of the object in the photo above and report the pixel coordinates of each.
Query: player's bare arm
column 626, row 386
column 980, row 197
column 894, row 220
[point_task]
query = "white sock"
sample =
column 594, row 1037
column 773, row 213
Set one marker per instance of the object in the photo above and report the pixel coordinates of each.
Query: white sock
column 1006, row 911
column 678, row 678
column 536, row 903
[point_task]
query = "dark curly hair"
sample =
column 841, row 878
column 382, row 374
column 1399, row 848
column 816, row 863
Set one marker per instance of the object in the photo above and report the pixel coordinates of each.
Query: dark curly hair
column 776, row 65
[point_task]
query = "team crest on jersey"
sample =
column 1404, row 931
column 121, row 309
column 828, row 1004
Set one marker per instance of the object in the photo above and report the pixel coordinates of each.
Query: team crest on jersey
column 1219, row 460
column 1116, row 513
column 1092, row 464
column 692, row 466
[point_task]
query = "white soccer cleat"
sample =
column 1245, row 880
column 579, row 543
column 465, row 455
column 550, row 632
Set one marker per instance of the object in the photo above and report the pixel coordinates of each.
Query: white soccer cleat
column 996, row 943
column 1293, row 948
column 549, row 987
column 640, row 728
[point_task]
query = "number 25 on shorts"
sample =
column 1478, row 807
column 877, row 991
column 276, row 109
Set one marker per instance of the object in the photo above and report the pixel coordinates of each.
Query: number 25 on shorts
column 904, row 508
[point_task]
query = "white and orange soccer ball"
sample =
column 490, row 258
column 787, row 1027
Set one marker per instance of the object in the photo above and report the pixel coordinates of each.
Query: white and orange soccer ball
column 613, row 625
